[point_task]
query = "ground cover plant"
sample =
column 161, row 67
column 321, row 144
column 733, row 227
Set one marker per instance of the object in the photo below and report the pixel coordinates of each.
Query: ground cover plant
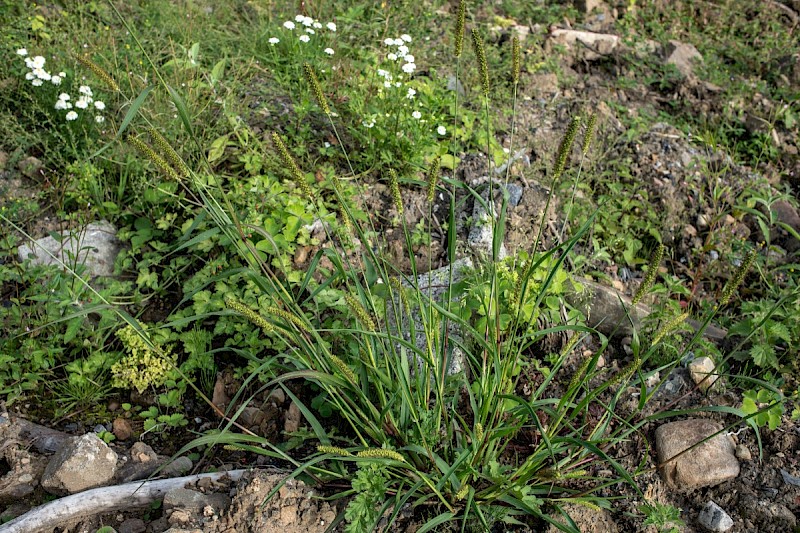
column 288, row 182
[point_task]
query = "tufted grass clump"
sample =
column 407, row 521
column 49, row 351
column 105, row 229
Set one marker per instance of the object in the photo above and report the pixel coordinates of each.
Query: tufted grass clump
column 459, row 404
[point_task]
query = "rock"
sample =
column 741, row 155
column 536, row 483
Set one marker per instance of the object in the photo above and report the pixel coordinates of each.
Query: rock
column 605, row 308
column 132, row 525
column 432, row 284
column 181, row 466
column 82, row 463
column 587, row 45
column 714, row 518
column 705, row 465
column 683, row 56
column 587, row 6
column 785, row 212
column 703, row 373
column 454, row 84
column 142, row 453
column 743, row 453
column 20, row 471
column 95, row 246
column 587, row 520
column 30, row 167
column 122, row 429
column 191, row 500
column 277, row 396
column 293, row 418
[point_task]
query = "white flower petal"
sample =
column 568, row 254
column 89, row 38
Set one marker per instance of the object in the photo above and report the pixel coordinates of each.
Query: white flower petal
column 72, row 115
column 406, row 37
column 329, row 51
column 331, row 26
column 289, row 25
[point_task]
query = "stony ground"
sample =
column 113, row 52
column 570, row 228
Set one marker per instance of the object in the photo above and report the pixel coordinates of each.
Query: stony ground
column 753, row 479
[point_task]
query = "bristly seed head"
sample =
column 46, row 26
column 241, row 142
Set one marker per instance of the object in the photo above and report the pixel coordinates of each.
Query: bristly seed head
column 650, row 277
column 460, row 23
column 166, row 149
column 316, row 88
column 480, row 53
column 288, row 160
column 343, row 369
column 394, row 188
column 151, row 154
column 381, row 453
column 104, row 76
column 738, row 277
column 515, row 60
column 587, row 138
column 289, row 317
column 333, row 450
column 250, row 315
column 669, row 327
column 360, row 312
column 565, row 147
column 433, row 177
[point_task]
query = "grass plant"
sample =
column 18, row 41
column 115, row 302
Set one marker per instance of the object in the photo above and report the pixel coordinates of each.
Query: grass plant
column 443, row 401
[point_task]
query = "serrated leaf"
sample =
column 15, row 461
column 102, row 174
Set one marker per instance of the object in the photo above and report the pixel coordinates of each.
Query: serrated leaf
column 763, row 355
column 780, row 331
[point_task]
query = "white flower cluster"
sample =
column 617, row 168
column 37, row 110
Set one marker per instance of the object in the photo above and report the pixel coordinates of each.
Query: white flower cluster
column 309, row 27
column 38, row 75
column 402, row 52
column 408, row 67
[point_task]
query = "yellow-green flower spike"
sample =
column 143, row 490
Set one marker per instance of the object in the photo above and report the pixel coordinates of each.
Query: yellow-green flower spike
column 250, row 315
column 433, row 177
column 669, row 327
column 156, row 159
column 343, row 369
column 462, row 492
column 104, row 76
column 166, row 149
column 461, row 21
column 394, row 188
column 316, row 88
column 483, row 67
column 380, row 453
column 333, row 450
column 479, row 432
column 515, row 60
column 289, row 317
column 650, row 277
column 738, row 277
column 288, row 160
column 587, row 138
column 565, row 147
column 360, row 312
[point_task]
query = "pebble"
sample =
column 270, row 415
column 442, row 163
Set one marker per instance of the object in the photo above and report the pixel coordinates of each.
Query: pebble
column 743, row 453
column 702, row 370
column 714, row 518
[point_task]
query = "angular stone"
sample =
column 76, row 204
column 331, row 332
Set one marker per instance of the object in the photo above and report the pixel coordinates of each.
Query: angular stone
column 714, row 518
column 81, row 463
column 705, row 465
column 683, row 56
column 703, row 373
column 95, row 246
column 191, row 500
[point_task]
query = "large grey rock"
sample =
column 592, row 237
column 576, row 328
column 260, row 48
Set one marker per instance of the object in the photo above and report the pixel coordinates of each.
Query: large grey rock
column 81, row 463
column 683, row 56
column 605, row 308
column 708, row 464
column 95, row 246
column 714, row 518
column 433, row 285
